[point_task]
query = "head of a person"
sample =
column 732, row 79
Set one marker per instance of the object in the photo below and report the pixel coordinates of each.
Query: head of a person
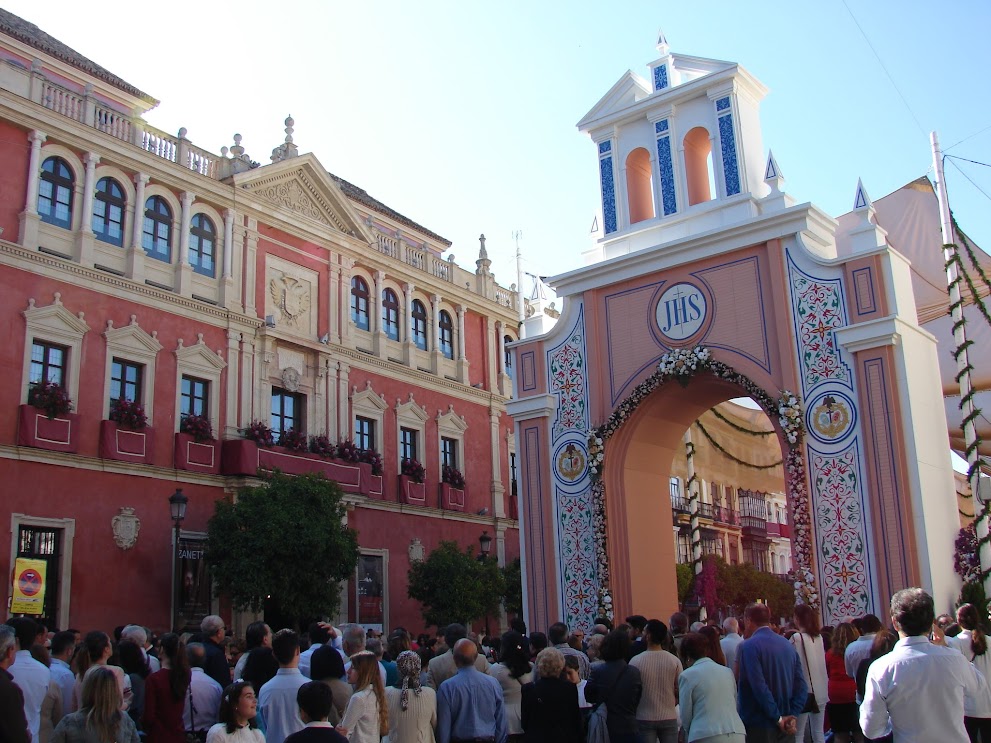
column 212, row 628
column 514, row 653
column 261, row 667
column 319, row 633
column 132, row 660
column 256, row 635
column 557, row 633
column 945, row 620
column 807, row 620
column 756, row 616
column 869, row 624
column 409, row 666
column 135, row 633
column 63, row 644
column 326, row 663
column 715, row 649
column 285, row 646
column 518, row 625
column 693, row 647
column 315, row 700
column 637, row 622
column 465, row 653
column 101, row 692
column 572, row 670
column 594, row 647
column 538, row 641
column 912, row 611
column 353, row 638
column 453, row 633
column 656, row 632
column 374, row 646
column 364, row 670
column 40, row 653
column 967, row 617
column 731, row 626
column 883, row 643
column 172, row 648
column 196, row 654
column 843, row 635
column 239, row 706
column 398, row 643
column 678, row 623
column 97, row 646
column 549, row 663
column 616, row 646
column 25, row 630
column 8, row 646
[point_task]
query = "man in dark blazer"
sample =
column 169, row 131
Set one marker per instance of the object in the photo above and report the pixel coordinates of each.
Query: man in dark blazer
column 13, row 723
column 315, row 701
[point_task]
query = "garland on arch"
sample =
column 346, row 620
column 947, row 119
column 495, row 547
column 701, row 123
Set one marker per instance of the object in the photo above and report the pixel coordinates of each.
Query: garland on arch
column 681, row 365
column 742, row 462
column 742, row 429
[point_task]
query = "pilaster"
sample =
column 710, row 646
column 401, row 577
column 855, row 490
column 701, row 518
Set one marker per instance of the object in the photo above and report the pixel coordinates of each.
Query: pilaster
column 136, row 253
column 28, row 219
column 232, row 420
column 250, row 266
column 343, row 403
column 409, row 353
column 85, row 236
column 462, row 361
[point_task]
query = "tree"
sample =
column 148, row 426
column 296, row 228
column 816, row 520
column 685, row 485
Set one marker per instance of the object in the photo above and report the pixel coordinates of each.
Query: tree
column 512, row 600
column 454, row 586
column 740, row 585
column 686, row 581
column 283, row 540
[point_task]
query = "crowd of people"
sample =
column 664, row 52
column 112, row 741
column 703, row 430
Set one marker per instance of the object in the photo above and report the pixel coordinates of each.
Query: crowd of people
column 924, row 679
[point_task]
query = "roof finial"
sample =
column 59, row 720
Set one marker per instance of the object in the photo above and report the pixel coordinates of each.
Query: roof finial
column 483, row 263
column 289, row 129
column 861, row 200
column 772, row 174
column 286, row 150
column 662, row 42
column 482, row 254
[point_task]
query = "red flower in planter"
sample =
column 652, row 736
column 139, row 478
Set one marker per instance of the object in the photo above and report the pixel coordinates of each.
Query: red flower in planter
column 260, row 433
column 347, row 451
column 321, row 445
column 293, row 440
column 372, row 457
column 128, row 414
column 453, row 477
column 51, row 398
column 197, row 426
column 414, row 470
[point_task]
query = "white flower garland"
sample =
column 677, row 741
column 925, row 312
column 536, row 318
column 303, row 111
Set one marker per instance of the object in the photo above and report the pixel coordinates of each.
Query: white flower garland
column 680, row 365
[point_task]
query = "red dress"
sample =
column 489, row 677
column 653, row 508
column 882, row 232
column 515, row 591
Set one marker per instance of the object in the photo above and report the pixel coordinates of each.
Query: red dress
column 842, row 688
column 162, row 719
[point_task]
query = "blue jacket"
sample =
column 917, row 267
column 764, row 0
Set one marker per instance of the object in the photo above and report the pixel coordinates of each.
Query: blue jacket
column 772, row 684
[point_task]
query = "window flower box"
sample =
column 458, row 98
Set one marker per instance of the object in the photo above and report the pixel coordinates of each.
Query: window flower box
column 371, row 484
column 411, row 492
column 452, row 498
column 125, row 445
column 245, row 457
column 196, row 456
column 35, row 428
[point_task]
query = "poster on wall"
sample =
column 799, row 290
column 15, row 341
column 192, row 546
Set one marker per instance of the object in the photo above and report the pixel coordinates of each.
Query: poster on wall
column 370, row 585
column 28, row 596
column 194, row 585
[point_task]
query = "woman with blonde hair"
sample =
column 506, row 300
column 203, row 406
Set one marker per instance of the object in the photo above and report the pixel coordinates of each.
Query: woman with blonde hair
column 99, row 719
column 842, row 704
column 366, row 719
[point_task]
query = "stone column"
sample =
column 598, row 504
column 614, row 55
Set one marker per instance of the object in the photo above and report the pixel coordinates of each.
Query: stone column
column 184, row 271
column 29, row 219
column 136, row 252
column 498, row 489
column 85, row 236
column 232, row 420
column 462, row 361
column 343, row 402
column 409, row 348
column 435, row 320
column 250, row 260
column 227, row 279
column 346, row 323
column 248, row 373
column 375, row 309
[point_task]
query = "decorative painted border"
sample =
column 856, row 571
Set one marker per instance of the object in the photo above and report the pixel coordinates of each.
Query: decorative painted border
column 665, row 166
column 660, row 77
column 863, row 286
column 727, row 147
column 817, row 312
column 608, row 187
column 528, row 361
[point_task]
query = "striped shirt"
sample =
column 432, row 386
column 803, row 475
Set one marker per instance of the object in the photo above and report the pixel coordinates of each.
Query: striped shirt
column 659, row 672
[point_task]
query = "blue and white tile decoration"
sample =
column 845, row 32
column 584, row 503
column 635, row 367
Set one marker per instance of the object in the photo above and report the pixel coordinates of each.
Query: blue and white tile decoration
column 660, row 126
column 660, row 77
column 727, row 145
column 669, row 201
column 608, row 193
column 605, row 147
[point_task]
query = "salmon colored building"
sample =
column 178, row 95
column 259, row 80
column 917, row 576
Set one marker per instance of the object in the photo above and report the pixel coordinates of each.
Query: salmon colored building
column 136, row 265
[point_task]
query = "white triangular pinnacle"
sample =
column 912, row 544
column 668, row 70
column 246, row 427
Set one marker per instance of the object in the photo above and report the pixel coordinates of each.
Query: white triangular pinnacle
column 595, row 225
column 662, row 42
column 772, row 170
column 861, row 200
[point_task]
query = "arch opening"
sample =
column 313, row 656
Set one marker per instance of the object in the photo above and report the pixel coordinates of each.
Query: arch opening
column 699, row 174
column 639, row 185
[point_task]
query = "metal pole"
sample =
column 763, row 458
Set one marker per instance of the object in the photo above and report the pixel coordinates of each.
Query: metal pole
column 520, row 302
column 175, row 580
column 963, row 358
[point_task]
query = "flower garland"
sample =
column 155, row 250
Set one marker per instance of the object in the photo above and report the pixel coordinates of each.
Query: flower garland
column 681, row 365
column 737, row 426
column 741, row 462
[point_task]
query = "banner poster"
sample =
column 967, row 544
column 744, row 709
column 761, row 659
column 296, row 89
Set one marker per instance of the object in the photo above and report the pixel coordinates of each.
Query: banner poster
column 194, row 586
column 29, row 586
column 370, row 582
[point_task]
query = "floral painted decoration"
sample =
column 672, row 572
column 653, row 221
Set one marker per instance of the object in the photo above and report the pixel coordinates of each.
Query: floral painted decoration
column 415, row 471
column 128, row 414
column 321, row 445
column 293, row 440
column 51, row 398
column 197, row 426
column 453, row 477
column 260, row 433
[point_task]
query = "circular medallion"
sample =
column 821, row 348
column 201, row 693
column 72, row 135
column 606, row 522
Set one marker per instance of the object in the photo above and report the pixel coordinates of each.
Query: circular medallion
column 570, row 461
column 681, row 311
column 290, row 379
column 831, row 416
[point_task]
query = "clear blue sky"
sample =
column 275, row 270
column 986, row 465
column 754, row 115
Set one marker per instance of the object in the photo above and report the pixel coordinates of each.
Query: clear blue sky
column 461, row 114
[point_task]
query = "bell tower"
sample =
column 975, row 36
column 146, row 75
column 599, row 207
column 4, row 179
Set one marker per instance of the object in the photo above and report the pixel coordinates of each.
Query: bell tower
column 679, row 152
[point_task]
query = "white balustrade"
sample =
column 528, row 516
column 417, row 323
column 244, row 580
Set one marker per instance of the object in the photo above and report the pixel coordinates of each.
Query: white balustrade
column 111, row 122
column 388, row 245
column 62, row 101
column 415, row 258
column 159, row 143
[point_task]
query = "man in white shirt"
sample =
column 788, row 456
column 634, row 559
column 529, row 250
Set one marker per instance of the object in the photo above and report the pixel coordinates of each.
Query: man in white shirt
column 62, row 646
column 732, row 640
column 137, row 634
column 860, row 649
column 320, row 634
column 30, row 676
column 277, row 699
column 203, row 698
column 917, row 690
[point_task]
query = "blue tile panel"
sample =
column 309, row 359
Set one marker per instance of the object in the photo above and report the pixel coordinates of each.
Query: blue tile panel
column 660, row 77
column 669, row 201
column 660, row 126
column 727, row 143
column 608, row 194
column 605, row 147
column 722, row 104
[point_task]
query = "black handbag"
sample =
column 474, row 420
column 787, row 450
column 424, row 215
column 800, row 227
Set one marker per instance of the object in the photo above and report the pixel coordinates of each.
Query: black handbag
column 811, row 705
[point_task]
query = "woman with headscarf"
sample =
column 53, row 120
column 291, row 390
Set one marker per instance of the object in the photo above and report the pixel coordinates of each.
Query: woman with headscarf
column 412, row 707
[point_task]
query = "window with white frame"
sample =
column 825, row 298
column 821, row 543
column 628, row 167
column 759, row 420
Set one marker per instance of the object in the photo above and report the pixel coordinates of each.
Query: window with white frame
column 48, row 330
column 451, row 429
column 359, row 302
column 390, row 314
column 55, row 191
column 446, row 331
column 419, row 311
column 368, row 406
column 409, row 443
column 203, row 245
column 198, row 389
column 157, row 233
column 411, row 420
column 364, row 433
column 132, row 354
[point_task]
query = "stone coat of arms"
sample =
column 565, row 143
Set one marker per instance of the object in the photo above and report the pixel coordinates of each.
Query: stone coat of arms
column 126, row 526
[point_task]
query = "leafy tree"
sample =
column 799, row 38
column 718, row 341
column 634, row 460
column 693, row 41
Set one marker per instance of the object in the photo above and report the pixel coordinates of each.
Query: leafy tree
column 283, row 539
column 512, row 600
column 740, row 585
column 686, row 581
column 454, row 586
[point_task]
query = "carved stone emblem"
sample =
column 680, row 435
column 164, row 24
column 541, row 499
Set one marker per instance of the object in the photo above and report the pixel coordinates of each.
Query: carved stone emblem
column 291, row 296
column 416, row 551
column 290, row 379
column 126, row 526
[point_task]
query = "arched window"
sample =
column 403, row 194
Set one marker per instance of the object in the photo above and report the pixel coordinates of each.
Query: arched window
column 419, row 325
column 157, row 236
column 55, row 193
column 698, row 166
column 390, row 314
column 506, row 340
column 446, row 328
column 639, row 185
column 203, row 245
column 359, row 302
column 108, row 212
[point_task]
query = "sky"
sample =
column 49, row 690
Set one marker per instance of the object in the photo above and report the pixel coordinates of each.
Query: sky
column 461, row 115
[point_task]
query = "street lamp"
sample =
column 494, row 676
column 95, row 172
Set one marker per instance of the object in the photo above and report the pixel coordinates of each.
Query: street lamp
column 484, row 544
column 177, row 508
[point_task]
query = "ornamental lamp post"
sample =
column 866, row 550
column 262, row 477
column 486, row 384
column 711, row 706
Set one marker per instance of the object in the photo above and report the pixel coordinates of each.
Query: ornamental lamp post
column 177, row 509
column 484, row 546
